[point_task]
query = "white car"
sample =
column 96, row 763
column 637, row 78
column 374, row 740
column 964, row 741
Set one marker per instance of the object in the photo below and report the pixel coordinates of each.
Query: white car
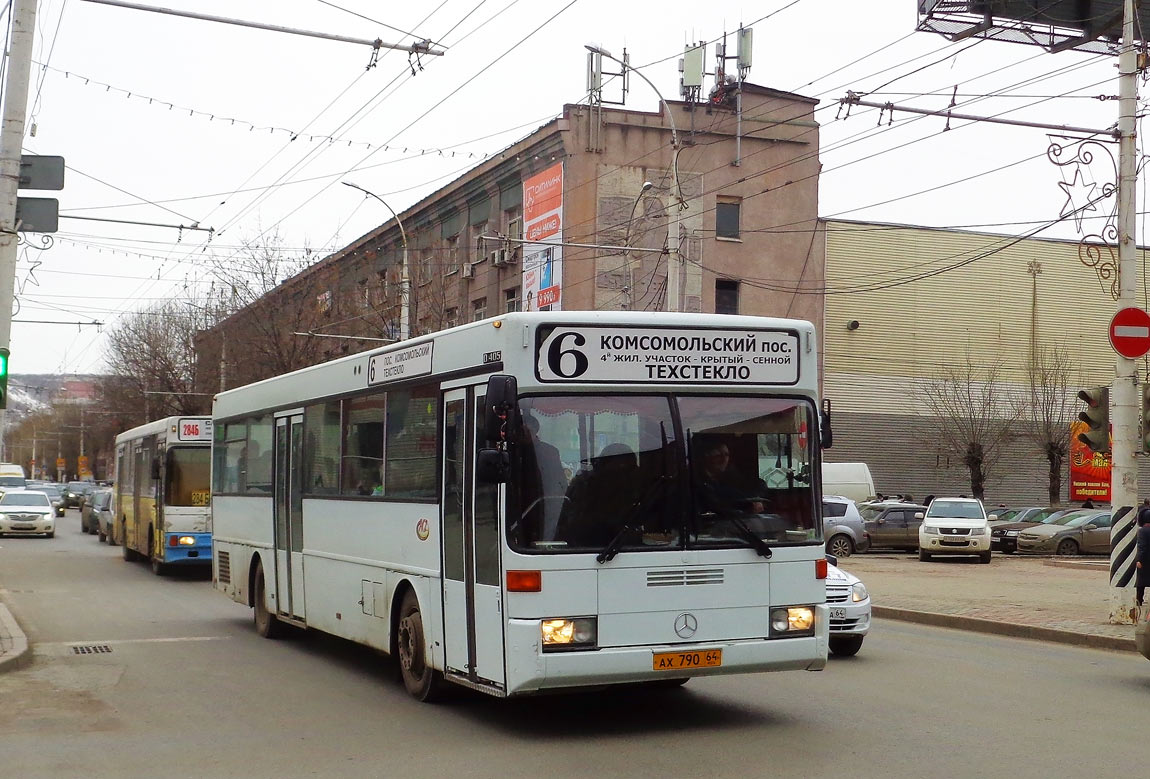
column 849, row 605
column 954, row 526
column 26, row 513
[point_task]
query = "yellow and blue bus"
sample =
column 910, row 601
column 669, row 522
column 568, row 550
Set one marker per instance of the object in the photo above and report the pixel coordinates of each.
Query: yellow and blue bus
column 163, row 492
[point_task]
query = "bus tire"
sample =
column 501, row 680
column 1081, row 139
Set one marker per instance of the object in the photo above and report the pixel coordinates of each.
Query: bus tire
column 421, row 680
column 267, row 625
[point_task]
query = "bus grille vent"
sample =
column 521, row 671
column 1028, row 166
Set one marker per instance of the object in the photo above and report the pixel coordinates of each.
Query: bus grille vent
column 679, row 577
column 91, row 649
column 225, row 563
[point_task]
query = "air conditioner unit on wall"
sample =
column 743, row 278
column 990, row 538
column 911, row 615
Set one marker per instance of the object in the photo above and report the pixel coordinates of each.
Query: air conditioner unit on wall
column 500, row 258
column 468, row 270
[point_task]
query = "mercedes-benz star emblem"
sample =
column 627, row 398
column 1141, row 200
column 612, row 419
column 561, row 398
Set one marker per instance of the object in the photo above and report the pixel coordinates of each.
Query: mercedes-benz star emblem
column 686, row 625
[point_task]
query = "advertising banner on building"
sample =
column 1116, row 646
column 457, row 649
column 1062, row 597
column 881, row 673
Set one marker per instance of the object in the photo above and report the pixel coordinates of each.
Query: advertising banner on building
column 1089, row 471
column 543, row 227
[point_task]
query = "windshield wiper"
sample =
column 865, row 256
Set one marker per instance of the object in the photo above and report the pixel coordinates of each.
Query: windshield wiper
column 760, row 546
column 612, row 547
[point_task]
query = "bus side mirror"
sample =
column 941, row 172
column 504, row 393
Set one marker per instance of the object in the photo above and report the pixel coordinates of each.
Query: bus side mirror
column 492, row 466
column 501, row 404
column 826, row 435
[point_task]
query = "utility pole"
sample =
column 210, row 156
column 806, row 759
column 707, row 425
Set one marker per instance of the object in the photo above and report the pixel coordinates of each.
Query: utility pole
column 1124, row 403
column 11, row 146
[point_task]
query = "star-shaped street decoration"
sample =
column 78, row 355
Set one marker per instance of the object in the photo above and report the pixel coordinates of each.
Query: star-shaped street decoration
column 1078, row 198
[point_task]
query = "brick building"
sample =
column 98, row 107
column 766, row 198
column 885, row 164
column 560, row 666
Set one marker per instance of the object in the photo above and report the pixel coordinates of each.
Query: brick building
column 744, row 208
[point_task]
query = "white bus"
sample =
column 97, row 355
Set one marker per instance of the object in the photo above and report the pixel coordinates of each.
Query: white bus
column 163, row 493
column 538, row 501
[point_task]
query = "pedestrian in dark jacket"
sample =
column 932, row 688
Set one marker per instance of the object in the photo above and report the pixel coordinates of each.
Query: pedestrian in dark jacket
column 1143, row 560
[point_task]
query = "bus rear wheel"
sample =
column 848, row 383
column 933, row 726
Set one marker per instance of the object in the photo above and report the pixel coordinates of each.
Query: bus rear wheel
column 420, row 679
column 267, row 625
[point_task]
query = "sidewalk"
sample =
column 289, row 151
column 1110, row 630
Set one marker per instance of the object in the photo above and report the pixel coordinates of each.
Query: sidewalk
column 1053, row 600
column 13, row 644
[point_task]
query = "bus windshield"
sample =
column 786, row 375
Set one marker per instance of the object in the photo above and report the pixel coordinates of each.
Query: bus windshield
column 189, row 476
column 651, row 472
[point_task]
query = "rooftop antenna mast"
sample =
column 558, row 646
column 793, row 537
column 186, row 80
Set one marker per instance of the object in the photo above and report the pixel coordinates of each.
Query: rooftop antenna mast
column 595, row 74
column 727, row 86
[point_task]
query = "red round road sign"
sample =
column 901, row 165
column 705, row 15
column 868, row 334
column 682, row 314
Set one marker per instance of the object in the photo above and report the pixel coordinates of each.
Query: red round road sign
column 1130, row 333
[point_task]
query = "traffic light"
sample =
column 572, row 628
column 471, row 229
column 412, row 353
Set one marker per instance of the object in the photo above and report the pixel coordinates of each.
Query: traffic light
column 3, row 377
column 1097, row 418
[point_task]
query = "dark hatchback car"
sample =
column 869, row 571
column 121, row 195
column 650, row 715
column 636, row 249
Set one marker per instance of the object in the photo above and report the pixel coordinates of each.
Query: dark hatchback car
column 1004, row 536
column 75, row 492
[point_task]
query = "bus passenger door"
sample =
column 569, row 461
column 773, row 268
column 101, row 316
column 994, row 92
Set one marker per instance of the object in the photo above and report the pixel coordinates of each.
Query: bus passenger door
column 289, row 516
column 472, row 597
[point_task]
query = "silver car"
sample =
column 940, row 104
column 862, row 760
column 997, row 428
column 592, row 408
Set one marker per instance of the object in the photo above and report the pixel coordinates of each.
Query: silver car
column 26, row 513
column 843, row 527
column 1082, row 533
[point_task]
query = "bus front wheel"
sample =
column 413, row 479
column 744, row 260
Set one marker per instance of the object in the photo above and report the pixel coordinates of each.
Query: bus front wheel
column 266, row 623
column 420, row 679
column 129, row 554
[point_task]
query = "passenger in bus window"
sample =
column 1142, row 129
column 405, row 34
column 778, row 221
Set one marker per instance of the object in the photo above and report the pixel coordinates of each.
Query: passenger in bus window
column 600, row 500
column 544, row 481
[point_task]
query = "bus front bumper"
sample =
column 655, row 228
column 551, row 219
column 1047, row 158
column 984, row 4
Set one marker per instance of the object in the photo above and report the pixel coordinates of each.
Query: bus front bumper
column 198, row 552
column 530, row 670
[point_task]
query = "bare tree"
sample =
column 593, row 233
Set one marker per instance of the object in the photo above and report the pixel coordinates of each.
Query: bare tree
column 968, row 417
column 151, row 360
column 1049, row 406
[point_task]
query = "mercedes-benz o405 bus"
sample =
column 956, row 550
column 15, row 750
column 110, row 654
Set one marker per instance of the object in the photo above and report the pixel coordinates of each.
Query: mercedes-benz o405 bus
column 163, row 492
column 538, row 501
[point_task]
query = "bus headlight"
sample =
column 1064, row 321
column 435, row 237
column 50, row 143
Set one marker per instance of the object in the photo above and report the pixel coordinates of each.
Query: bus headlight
column 792, row 621
column 576, row 633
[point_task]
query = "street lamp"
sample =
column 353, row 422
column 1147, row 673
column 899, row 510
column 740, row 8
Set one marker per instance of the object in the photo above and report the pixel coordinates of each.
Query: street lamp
column 405, row 280
column 627, row 244
column 673, row 229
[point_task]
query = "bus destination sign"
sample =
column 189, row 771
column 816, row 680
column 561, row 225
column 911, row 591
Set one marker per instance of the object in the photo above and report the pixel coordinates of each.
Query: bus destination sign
column 587, row 353
column 194, row 429
column 399, row 364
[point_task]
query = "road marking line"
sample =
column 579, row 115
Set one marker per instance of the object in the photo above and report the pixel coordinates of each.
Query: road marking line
column 131, row 641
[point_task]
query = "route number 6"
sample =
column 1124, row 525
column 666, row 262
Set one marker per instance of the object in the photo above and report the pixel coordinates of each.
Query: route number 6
column 557, row 356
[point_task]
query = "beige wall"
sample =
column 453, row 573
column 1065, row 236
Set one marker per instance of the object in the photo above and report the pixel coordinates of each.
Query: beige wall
column 983, row 311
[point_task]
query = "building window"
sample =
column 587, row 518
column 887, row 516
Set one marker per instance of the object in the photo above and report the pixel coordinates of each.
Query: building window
column 479, row 247
column 425, row 266
column 323, row 302
column 452, row 264
column 727, row 217
column 726, row 296
column 511, row 300
column 450, row 317
column 479, row 310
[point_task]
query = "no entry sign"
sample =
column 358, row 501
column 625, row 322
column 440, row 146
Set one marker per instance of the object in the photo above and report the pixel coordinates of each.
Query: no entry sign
column 1130, row 332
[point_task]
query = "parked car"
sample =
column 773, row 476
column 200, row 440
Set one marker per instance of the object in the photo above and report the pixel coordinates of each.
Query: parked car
column 892, row 524
column 849, row 604
column 843, row 527
column 1004, row 535
column 75, row 491
column 106, row 519
column 1082, row 532
column 26, row 513
column 54, row 493
column 89, row 510
column 1028, row 514
column 954, row 526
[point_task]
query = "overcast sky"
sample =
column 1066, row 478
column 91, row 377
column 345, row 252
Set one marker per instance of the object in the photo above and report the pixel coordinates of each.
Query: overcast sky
column 142, row 105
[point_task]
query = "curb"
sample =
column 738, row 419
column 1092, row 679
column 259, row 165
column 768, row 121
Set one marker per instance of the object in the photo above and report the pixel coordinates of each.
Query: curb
column 1082, row 565
column 979, row 625
column 18, row 656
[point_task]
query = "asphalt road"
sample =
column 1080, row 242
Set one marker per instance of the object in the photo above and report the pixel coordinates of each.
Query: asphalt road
column 188, row 689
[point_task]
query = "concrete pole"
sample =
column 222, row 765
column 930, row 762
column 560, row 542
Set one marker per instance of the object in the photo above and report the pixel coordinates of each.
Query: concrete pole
column 11, row 146
column 1124, row 405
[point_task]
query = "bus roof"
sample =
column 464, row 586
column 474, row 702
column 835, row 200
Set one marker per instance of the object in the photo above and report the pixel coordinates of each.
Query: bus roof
column 505, row 342
column 165, row 428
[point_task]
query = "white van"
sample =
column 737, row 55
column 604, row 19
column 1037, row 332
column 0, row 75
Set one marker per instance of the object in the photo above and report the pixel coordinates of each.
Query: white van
column 852, row 480
column 12, row 475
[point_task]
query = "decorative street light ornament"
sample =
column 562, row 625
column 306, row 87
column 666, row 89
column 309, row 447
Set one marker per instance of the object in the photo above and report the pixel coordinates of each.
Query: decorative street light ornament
column 1077, row 160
